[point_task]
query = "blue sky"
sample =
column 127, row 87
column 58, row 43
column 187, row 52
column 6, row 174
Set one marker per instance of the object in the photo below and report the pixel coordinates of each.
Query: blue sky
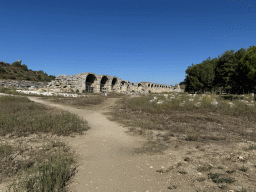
column 136, row 40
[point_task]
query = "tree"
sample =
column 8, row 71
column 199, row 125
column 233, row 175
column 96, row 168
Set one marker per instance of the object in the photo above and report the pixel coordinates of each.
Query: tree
column 192, row 79
column 16, row 64
column 24, row 67
column 247, row 69
column 2, row 70
column 225, row 68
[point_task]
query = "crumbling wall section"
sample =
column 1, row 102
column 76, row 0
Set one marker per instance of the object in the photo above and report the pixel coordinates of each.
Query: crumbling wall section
column 90, row 82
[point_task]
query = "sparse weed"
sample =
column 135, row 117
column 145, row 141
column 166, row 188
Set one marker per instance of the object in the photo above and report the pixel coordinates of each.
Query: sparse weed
column 231, row 171
column 201, row 179
column 204, row 168
column 183, row 172
column 244, row 169
column 172, row 187
column 223, row 187
column 252, row 147
column 151, row 147
column 216, row 178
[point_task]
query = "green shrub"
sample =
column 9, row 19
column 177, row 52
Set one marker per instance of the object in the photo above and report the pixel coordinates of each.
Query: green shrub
column 16, row 64
column 24, row 67
column 2, row 70
column 39, row 77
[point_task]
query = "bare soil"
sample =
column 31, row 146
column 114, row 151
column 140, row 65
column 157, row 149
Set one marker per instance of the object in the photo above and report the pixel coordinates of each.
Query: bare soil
column 110, row 159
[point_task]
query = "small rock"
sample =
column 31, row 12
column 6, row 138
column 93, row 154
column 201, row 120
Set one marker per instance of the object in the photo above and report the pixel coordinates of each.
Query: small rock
column 240, row 158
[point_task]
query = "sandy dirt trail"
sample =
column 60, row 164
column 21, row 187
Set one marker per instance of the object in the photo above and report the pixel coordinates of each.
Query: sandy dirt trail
column 106, row 159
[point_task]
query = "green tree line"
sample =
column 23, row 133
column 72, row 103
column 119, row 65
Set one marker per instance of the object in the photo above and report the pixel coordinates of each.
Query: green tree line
column 232, row 72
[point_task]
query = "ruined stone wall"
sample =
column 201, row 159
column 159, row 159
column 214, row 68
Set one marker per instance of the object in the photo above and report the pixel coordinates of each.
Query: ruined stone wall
column 90, row 82
column 21, row 84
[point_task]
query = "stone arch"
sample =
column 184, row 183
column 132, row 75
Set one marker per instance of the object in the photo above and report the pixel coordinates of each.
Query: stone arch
column 140, row 87
column 103, row 83
column 123, row 85
column 89, row 82
column 114, row 84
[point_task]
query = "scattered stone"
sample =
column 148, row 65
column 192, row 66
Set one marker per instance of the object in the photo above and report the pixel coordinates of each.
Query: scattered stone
column 215, row 103
column 22, row 84
column 240, row 158
column 160, row 102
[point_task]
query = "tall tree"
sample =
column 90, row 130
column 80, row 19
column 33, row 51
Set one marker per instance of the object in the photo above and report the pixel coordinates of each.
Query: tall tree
column 246, row 69
column 224, row 70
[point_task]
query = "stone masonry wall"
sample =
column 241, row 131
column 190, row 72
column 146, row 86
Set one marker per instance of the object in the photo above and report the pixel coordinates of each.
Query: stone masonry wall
column 90, row 82
column 21, row 84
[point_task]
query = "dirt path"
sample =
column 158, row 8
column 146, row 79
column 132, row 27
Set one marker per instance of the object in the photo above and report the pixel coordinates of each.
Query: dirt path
column 106, row 159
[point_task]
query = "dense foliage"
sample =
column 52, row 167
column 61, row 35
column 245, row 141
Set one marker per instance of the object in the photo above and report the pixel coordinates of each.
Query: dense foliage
column 18, row 71
column 232, row 72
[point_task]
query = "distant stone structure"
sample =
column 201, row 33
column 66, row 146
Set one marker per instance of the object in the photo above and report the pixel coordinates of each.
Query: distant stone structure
column 90, row 82
column 21, row 84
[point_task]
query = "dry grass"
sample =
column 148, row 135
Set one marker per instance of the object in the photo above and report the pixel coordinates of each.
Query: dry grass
column 20, row 117
column 36, row 163
column 203, row 123
column 78, row 101
column 203, row 137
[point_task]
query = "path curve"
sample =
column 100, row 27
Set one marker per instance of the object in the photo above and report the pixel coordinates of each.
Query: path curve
column 106, row 159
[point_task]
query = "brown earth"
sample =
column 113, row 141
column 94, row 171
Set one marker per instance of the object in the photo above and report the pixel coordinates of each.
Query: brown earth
column 108, row 161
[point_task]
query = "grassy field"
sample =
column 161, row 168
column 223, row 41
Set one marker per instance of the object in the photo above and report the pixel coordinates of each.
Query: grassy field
column 31, row 153
column 182, row 116
column 210, row 140
column 210, row 145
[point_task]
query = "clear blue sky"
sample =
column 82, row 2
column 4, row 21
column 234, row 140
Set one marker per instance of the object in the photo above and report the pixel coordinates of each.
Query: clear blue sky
column 136, row 40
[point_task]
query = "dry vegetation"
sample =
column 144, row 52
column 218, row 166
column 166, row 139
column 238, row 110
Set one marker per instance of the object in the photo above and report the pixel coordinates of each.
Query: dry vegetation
column 216, row 143
column 208, row 148
column 32, row 156
column 88, row 99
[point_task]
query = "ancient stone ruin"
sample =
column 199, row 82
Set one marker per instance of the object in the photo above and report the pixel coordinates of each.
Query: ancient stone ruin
column 90, row 82
column 21, row 84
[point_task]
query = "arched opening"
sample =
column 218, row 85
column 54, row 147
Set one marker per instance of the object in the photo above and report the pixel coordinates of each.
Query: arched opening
column 148, row 85
column 103, row 82
column 152, row 85
column 140, row 87
column 123, row 86
column 89, row 83
column 113, row 83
